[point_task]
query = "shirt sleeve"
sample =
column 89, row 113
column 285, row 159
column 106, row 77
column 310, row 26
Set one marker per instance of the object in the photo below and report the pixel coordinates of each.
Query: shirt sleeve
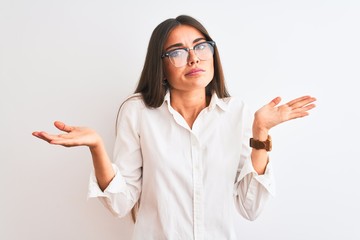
column 251, row 190
column 124, row 189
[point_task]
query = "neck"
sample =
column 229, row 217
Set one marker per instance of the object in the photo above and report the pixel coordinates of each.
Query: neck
column 189, row 104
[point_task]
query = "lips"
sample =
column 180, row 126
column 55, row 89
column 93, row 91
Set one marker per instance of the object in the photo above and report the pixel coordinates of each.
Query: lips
column 194, row 72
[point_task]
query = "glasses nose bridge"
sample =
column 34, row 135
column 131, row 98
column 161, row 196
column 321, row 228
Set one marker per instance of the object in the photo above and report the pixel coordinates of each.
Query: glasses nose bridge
column 194, row 52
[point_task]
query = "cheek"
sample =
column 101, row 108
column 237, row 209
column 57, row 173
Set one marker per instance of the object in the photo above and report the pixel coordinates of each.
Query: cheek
column 167, row 70
column 171, row 72
column 211, row 69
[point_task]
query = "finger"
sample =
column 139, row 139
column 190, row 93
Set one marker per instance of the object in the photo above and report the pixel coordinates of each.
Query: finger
column 275, row 102
column 301, row 112
column 63, row 127
column 303, row 103
column 304, row 108
column 299, row 115
column 308, row 107
column 52, row 137
column 35, row 134
column 298, row 101
column 43, row 135
column 64, row 142
column 39, row 135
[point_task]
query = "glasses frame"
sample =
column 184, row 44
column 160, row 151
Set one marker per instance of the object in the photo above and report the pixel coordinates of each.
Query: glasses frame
column 167, row 54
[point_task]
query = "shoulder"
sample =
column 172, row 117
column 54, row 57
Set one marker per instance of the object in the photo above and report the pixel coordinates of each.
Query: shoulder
column 133, row 102
column 237, row 110
column 233, row 104
column 131, row 107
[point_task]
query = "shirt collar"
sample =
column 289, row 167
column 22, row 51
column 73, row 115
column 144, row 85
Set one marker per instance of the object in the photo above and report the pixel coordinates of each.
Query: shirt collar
column 222, row 103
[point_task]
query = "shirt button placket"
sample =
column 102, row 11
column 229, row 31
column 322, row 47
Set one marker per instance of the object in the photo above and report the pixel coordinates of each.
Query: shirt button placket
column 197, row 188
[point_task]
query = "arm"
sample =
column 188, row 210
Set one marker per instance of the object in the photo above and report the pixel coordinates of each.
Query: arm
column 80, row 136
column 255, row 184
column 271, row 115
column 117, row 185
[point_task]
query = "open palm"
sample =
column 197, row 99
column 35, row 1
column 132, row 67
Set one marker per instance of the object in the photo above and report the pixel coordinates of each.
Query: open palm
column 271, row 115
column 73, row 136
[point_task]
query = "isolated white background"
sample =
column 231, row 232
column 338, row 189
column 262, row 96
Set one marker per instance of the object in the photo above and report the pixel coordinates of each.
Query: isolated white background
column 77, row 60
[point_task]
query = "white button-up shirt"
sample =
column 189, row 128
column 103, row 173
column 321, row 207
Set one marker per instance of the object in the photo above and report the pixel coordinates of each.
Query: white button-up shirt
column 189, row 181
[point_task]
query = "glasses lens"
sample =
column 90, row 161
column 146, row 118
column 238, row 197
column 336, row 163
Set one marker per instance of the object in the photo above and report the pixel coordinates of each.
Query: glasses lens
column 204, row 51
column 178, row 57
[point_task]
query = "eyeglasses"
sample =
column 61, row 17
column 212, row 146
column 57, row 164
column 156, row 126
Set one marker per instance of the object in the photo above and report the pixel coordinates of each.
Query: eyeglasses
column 179, row 57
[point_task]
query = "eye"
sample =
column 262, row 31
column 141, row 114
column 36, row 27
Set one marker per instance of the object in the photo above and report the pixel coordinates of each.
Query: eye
column 202, row 46
column 177, row 53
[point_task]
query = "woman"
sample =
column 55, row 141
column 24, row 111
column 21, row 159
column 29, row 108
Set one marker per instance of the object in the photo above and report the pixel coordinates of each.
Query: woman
column 182, row 149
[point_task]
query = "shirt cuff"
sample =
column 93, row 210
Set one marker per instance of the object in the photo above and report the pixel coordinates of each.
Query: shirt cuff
column 117, row 185
column 266, row 179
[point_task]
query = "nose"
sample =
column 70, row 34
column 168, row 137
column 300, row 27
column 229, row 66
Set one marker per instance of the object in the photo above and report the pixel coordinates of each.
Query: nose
column 192, row 58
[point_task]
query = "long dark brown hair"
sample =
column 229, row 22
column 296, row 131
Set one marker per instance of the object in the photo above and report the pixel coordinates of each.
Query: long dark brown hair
column 151, row 84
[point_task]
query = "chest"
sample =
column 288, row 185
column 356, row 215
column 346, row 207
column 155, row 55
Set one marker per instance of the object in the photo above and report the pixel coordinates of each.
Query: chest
column 169, row 146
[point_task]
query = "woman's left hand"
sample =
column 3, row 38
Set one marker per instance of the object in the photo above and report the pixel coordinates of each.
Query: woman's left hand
column 271, row 115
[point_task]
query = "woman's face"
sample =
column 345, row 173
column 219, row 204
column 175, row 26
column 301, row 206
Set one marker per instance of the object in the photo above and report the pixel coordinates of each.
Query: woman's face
column 195, row 74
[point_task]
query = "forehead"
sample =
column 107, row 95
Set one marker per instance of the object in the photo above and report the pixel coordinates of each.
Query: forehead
column 183, row 34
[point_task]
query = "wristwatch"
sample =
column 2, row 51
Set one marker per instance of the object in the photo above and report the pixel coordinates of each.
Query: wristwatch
column 267, row 144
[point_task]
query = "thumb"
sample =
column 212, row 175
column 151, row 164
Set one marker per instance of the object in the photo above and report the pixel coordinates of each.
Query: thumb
column 275, row 102
column 62, row 126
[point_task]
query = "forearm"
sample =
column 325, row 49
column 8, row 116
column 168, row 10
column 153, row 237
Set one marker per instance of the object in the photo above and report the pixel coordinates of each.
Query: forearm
column 269, row 116
column 259, row 157
column 104, row 171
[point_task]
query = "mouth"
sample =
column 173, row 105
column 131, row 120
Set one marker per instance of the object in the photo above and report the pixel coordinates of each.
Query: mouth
column 194, row 72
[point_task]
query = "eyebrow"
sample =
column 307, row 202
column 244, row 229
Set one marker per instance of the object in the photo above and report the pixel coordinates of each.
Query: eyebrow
column 181, row 45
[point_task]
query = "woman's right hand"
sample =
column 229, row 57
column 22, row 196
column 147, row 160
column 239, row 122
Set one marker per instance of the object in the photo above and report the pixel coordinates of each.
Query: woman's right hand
column 73, row 136
column 82, row 136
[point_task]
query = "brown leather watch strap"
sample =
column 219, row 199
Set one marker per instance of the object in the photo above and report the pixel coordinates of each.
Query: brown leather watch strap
column 257, row 144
